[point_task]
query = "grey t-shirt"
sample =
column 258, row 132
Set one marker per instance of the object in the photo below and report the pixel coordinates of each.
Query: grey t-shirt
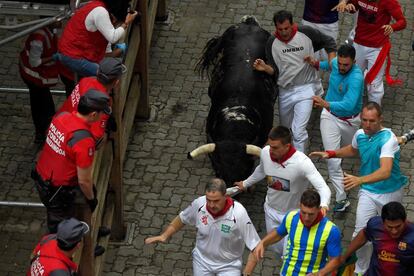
column 288, row 58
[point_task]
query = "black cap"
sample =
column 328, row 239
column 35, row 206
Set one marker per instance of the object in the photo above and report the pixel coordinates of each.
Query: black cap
column 110, row 69
column 71, row 231
column 96, row 100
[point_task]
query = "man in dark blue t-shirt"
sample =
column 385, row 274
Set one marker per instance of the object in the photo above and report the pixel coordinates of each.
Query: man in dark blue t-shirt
column 319, row 15
column 392, row 237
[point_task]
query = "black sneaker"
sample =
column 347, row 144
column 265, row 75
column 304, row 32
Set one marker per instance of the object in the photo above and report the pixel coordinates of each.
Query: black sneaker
column 99, row 250
column 39, row 138
column 103, row 231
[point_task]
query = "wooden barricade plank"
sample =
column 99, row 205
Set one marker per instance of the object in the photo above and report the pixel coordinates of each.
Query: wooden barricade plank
column 141, row 62
column 129, row 99
column 129, row 114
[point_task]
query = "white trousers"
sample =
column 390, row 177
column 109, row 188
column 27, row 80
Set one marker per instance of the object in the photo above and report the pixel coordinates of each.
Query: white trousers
column 201, row 268
column 370, row 205
column 365, row 58
column 335, row 134
column 295, row 108
column 273, row 219
column 330, row 29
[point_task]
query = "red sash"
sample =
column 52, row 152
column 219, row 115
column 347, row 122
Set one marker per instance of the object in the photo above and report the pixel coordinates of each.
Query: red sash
column 373, row 72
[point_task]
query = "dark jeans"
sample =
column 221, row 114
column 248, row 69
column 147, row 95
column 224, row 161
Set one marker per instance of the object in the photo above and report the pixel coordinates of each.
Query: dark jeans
column 80, row 66
column 42, row 107
column 69, row 85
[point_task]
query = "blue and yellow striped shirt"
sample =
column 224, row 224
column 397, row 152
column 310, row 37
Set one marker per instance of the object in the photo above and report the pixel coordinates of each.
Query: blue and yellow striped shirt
column 308, row 249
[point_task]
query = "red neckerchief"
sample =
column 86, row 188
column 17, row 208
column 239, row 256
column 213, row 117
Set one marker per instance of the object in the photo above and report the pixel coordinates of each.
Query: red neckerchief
column 316, row 221
column 285, row 157
column 227, row 205
column 294, row 31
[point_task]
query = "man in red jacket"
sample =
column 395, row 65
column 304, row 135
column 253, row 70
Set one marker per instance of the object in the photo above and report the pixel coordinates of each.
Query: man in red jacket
column 372, row 40
column 53, row 254
column 39, row 72
column 108, row 77
column 64, row 168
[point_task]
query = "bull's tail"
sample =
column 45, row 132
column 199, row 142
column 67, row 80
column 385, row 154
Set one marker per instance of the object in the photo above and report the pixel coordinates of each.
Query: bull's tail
column 211, row 57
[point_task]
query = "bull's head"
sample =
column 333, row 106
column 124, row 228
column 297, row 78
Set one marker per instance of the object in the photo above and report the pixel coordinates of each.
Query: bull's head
column 231, row 161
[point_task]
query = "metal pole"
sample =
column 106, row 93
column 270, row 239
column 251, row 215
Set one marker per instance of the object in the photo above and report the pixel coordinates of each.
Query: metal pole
column 21, row 204
column 22, row 90
column 57, row 18
column 18, row 26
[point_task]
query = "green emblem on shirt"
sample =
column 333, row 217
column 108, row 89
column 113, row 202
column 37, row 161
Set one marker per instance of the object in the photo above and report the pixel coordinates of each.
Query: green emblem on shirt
column 225, row 228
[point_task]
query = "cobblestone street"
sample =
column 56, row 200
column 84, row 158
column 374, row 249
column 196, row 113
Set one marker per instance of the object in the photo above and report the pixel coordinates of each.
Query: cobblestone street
column 159, row 180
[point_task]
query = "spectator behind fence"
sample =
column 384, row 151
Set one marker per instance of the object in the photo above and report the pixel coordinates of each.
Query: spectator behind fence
column 64, row 169
column 40, row 72
column 86, row 36
column 109, row 75
column 52, row 256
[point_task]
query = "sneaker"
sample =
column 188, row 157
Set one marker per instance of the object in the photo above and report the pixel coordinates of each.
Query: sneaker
column 340, row 206
column 103, row 231
column 39, row 138
column 99, row 250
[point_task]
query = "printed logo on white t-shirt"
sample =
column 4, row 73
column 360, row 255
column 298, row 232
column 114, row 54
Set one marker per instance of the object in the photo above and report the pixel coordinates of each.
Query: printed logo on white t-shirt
column 225, row 228
column 278, row 183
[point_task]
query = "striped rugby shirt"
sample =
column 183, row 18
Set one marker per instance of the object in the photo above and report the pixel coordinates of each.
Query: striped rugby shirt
column 308, row 249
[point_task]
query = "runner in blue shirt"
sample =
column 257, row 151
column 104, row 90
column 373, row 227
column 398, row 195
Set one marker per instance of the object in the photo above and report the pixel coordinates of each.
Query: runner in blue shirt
column 380, row 177
column 312, row 238
column 340, row 112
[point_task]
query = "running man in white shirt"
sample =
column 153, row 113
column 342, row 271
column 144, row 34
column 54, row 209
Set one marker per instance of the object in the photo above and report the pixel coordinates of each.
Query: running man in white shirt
column 223, row 229
column 288, row 173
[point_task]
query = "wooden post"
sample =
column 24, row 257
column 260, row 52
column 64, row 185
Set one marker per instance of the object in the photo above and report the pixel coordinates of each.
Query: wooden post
column 87, row 264
column 118, row 228
column 162, row 13
column 141, row 62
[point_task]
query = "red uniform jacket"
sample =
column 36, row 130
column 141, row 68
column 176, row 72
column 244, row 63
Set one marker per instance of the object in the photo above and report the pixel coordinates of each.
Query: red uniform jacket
column 78, row 42
column 44, row 75
column 71, row 104
column 69, row 144
column 49, row 258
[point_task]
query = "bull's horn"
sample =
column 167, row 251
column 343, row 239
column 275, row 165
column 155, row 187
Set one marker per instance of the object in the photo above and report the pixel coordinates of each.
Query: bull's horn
column 204, row 149
column 253, row 150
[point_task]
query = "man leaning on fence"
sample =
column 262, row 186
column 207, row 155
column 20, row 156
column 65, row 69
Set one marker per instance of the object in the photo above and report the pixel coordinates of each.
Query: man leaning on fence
column 64, row 167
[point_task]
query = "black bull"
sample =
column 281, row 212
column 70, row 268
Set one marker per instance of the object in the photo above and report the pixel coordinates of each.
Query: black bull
column 242, row 99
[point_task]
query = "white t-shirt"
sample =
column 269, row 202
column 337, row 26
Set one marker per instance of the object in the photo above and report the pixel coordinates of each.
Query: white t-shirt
column 287, row 181
column 98, row 20
column 220, row 241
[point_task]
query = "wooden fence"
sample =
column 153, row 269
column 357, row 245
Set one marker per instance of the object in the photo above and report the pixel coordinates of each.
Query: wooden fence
column 131, row 99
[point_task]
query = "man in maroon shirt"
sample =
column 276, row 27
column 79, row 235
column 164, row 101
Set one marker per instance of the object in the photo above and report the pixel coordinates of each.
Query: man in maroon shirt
column 392, row 237
column 372, row 41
